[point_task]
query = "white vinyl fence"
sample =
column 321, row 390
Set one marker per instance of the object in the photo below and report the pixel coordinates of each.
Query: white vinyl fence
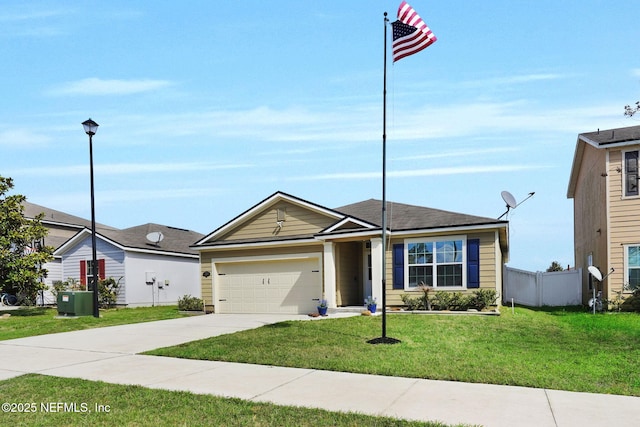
column 539, row 289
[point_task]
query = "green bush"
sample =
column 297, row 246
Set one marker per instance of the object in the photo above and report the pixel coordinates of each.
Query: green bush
column 108, row 292
column 453, row 301
column 483, row 298
column 412, row 303
column 189, row 303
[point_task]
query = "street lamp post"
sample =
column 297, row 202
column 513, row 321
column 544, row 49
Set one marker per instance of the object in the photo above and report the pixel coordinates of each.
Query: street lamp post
column 90, row 128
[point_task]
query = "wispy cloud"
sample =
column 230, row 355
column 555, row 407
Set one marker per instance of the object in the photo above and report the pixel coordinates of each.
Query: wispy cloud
column 512, row 80
column 461, row 170
column 22, row 138
column 635, row 72
column 30, row 15
column 99, row 87
column 458, row 153
column 26, row 20
column 128, row 168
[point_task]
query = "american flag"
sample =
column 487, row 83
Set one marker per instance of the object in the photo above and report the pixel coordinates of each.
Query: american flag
column 410, row 33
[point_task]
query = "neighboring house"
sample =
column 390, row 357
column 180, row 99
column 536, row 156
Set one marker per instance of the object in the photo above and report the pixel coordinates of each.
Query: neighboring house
column 606, row 201
column 155, row 272
column 285, row 253
column 61, row 227
column 171, row 266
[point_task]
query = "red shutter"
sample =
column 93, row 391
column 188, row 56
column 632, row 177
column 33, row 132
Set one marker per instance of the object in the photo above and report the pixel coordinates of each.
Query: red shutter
column 83, row 273
column 101, row 269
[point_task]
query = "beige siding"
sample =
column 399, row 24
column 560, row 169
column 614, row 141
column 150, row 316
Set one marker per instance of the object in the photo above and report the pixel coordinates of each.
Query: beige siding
column 590, row 213
column 624, row 221
column 298, row 221
column 206, row 282
column 489, row 277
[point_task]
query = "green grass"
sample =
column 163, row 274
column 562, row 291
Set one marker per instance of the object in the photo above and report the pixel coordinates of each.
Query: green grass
column 138, row 406
column 39, row 321
column 553, row 348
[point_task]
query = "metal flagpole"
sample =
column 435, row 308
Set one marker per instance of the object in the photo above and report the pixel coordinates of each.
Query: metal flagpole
column 384, row 339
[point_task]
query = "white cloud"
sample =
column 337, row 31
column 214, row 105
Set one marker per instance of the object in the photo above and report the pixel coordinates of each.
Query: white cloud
column 128, row 168
column 513, row 80
column 461, row 170
column 96, row 86
column 22, row 138
column 458, row 153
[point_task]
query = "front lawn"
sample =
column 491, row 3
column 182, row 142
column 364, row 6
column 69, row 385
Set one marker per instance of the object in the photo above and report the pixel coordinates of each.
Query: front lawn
column 26, row 322
column 548, row 348
column 40, row 401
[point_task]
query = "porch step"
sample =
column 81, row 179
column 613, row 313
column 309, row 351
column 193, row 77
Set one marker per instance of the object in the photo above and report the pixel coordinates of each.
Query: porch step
column 349, row 309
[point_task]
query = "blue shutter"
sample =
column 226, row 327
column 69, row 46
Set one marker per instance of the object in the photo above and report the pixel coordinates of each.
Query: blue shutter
column 473, row 263
column 398, row 266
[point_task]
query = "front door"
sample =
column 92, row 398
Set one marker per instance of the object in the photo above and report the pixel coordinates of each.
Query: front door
column 366, row 262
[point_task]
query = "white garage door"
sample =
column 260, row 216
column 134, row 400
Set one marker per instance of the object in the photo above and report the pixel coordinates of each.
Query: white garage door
column 287, row 286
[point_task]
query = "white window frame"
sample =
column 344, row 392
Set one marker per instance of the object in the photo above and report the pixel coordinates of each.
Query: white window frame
column 625, row 285
column 434, row 240
column 623, row 160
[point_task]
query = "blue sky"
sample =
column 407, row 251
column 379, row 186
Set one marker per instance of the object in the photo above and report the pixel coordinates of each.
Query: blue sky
column 205, row 108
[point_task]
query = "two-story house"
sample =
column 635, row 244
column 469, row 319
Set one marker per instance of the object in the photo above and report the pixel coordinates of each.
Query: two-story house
column 606, row 203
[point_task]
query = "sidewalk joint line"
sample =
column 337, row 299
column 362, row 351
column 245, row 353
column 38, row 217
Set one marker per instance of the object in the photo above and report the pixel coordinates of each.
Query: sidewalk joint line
column 555, row 422
column 311, row 371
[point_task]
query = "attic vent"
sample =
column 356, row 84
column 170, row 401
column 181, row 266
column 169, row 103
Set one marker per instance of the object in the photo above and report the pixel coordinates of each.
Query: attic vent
column 282, row 214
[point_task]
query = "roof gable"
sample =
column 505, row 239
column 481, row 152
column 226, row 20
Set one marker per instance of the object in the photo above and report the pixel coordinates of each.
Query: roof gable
column 278, row 217
column 600, row 139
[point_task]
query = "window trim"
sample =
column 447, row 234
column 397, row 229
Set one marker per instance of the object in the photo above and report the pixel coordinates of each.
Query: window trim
column 625, row 283
column 434, row 240
column 623, row 160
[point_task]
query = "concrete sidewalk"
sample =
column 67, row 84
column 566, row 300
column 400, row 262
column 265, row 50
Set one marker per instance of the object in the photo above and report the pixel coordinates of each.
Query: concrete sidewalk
column 109, row 354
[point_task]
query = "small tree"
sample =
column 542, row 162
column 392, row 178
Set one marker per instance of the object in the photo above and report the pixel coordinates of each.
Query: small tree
column 555, row 266
column 21, row 254
column 629, row 111
column 108, row 292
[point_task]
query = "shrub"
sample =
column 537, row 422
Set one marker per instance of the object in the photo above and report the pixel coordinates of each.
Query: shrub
column 453, row 301
column 412, row 303
column 483, row 298
column 108, row 292
column 59, row 286
column 189, row 303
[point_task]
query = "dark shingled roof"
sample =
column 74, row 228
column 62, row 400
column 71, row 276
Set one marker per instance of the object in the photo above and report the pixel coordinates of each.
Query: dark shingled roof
column 54, row 216
column 409, row 217
column 57, row 219
column 612, row 136
column 175, row 239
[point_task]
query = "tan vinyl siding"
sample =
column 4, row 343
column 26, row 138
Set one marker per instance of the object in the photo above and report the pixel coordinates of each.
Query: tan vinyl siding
column 624, row 221
column 206, row 282
column 489, row 277
column 298, row 221
column 590, row 211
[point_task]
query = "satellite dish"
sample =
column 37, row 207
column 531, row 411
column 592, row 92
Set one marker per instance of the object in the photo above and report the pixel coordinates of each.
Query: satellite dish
column 509, row 199
column 155, row 237
column 595, row 272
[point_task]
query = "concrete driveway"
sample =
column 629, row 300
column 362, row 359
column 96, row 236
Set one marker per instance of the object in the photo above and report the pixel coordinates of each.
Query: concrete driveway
column 109, row 354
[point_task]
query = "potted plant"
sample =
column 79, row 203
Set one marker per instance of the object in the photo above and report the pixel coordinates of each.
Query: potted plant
column 322, row 307
column 371, row 304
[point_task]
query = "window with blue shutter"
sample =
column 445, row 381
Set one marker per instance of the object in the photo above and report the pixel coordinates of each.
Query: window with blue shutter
column 473, row 263
column 398, row 266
